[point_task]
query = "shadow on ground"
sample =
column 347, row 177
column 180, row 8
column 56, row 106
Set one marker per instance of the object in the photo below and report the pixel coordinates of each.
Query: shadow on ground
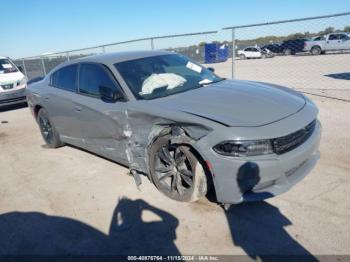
column 12, row 107
column 341, row 76
column 37, row 233
column 260, row 230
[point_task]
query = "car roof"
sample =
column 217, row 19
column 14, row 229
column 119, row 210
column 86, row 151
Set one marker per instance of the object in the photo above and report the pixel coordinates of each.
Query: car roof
column 115, row 57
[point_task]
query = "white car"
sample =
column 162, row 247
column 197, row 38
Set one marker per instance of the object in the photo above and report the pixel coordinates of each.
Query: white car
column 331, row 42
column 254, row 52
column 12, row 83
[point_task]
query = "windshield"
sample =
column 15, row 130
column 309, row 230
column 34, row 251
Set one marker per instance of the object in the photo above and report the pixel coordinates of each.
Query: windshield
column 6, row 66
column 164, row 75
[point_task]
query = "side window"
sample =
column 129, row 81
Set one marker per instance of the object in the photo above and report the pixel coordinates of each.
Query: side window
column 343, row 37
column 333, row 37
column 248, row 49
column 91, row 77
column 65, row 78
column 255, row 50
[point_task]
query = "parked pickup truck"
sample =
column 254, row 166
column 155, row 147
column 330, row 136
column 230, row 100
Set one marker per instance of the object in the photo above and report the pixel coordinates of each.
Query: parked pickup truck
column 330, row 42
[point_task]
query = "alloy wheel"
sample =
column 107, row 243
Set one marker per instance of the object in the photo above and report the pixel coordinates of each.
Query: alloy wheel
column 173, row 170
column 46, row 129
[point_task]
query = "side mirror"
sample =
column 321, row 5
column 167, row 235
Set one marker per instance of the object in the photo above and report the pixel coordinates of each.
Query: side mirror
column 211, row 69
column 20, row 68
column 109, row 94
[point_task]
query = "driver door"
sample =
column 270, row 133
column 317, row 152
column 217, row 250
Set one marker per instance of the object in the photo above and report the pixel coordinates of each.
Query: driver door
column 102, row 122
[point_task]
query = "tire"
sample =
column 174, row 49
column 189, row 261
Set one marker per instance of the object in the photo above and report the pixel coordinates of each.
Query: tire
column 185, row 181
column 48, row 131
column 242, row 57
column 263, row 56
column 316, row 50
column 287, row 51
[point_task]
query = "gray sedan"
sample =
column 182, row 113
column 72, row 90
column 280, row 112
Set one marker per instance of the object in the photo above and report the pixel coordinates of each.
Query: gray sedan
column 187, row 129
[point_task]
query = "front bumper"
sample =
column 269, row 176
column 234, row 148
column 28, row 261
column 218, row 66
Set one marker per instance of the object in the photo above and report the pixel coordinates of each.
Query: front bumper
column 266, row 176
column 15, row 96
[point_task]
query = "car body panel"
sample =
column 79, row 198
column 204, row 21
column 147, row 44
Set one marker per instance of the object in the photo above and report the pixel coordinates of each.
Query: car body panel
column 230, row 102
column 251, row 52
column 228, row 110
column 12, row 87
column 102, row 127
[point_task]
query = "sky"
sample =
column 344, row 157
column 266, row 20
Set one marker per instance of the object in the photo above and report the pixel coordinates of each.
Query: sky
column 34, row 27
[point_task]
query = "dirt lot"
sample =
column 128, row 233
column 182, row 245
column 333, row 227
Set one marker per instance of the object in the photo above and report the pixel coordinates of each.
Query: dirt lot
column 67, row 200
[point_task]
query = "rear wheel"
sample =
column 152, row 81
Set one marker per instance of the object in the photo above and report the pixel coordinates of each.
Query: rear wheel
column 176, row 171
column 242, row 56
column 48, row 131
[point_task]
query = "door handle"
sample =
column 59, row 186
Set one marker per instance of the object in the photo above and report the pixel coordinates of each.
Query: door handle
column 77, row 108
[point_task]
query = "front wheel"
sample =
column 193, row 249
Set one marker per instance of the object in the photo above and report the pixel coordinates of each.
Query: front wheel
column 48, row 131
column 176, row 171
column 316, row 50
column 287, row 51
column 242, row 57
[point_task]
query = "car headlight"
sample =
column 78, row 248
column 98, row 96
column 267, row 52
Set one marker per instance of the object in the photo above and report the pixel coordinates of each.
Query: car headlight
column 244, row 148
column 22, row 82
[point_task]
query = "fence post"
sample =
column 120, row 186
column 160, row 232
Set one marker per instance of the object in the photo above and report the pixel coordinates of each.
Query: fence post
column 67, row 55
column 233, row 53
column 24, row 68
column 152, row 43
column 43, row 65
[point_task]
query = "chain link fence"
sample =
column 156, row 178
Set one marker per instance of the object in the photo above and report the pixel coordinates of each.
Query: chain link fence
column 309, row 54
column 190, row 44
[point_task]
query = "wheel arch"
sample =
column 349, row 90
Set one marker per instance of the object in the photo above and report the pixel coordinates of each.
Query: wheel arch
column 37, row 109
column 180, row 135
column 316, row 46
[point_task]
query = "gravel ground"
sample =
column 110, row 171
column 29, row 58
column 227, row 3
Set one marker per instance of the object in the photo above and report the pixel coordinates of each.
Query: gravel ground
column 70, row 201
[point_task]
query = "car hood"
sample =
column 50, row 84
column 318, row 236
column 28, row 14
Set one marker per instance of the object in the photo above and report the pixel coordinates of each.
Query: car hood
column 9, row 78
column 236, row 103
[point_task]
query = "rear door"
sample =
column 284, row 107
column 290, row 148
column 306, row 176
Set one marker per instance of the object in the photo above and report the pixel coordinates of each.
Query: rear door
column 256, row 52
column 60, row 106
column 248, row 52
column 102, row 123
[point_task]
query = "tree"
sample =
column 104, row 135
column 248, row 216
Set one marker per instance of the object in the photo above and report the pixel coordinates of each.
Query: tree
column 328, row 30
column 347, row 29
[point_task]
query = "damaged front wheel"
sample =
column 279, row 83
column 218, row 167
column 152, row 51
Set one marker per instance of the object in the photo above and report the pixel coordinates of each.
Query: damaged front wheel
column 176, row 171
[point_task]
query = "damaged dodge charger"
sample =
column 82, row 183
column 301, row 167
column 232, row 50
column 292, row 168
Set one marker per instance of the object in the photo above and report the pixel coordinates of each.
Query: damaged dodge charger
column 188, row 130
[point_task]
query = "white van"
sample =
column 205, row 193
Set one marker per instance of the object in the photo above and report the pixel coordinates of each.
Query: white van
column 13, row 83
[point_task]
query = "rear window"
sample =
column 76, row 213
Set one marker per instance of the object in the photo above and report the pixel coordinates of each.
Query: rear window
column 65, row 78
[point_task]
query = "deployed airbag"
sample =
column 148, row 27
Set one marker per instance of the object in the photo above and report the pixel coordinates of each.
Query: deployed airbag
column 155, row 81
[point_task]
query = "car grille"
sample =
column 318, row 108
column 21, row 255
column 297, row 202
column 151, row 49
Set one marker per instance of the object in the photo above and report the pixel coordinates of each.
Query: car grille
column 7, row 86
column 287, row 143
column 13, row 100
